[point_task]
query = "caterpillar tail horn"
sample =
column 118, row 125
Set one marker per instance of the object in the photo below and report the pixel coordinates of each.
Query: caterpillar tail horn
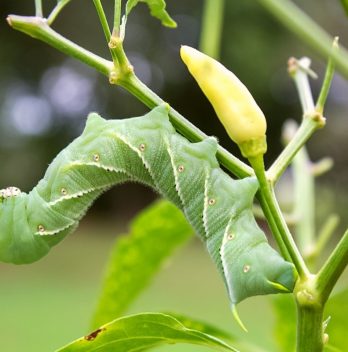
column 237, row 317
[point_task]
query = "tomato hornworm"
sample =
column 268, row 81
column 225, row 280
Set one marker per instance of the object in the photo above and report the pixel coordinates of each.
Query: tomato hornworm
column 147, row 149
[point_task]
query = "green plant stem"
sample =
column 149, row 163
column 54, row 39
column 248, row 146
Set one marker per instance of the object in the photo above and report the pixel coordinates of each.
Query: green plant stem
column 268, row 193
column 56, row 11
column 304, row 201
column 103, row 20
column 186, row 128
column 310, row 308
column 333, row 268
column 303, row 178
column 37, row 28
column 104, row 23
column 117, row 18
column 330, row 70
column 121, row 64
column 324, row 236
column 307, row 30
column 309, row 328
column 38, row 8
column 322, row 166
column 290, row 219
column 299, row 71
column 308, row 126
column 312, row 119
column 273, row 226
column 212, row 23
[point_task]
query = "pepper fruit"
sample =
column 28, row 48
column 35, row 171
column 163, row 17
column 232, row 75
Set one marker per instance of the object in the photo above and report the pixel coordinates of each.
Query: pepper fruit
column 242, row 118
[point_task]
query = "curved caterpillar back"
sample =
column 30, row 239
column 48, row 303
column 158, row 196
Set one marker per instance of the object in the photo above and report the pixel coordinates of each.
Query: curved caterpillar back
column 147, row 149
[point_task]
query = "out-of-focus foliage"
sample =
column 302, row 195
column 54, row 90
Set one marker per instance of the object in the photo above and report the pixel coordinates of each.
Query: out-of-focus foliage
column 337, row 309
column 285, row 324
column 345, row 5
column 154, row 234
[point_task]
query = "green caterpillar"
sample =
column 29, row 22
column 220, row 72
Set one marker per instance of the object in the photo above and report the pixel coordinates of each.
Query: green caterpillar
column 147, row 149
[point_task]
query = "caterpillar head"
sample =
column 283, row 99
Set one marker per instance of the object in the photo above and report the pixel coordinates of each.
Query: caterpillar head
column 251, row 267
column 264, row 271
column 259, row 270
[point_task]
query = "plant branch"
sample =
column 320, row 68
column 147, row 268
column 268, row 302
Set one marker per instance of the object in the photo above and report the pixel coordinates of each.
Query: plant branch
column 333, row 268
column 106, row 29
column 304, row 204
column 38, row 8
column 120, row 59
column 268, row 194
column 103, row 20
column 186, row 128
column 324, row 236
column 291, row 219
column 299, row 71
column 273, row 226
column 330, row 70
column 307, row 30
column 309, row 328
column 308, row 126
column 322, row 166
column 56, row 11
column 212, row 23
column 117, row 18
column 312, row 120
column 38, row 28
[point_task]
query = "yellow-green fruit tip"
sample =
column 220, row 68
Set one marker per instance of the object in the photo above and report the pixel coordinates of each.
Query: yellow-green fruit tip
column 189, row 54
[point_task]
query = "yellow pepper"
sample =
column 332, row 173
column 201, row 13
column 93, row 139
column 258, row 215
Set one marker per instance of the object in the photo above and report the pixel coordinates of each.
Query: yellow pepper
column 242, row 118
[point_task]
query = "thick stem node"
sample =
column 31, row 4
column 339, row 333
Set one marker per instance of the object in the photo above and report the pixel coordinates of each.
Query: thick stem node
column 115, row 42
column 318, row 118
column 310, row 307
column 114, row 77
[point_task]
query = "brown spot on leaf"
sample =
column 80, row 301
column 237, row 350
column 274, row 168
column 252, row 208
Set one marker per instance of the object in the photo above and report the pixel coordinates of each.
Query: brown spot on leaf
column 94, row 334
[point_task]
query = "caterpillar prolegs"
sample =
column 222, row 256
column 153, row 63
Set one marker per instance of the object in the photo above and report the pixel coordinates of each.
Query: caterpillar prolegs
column 147, row 149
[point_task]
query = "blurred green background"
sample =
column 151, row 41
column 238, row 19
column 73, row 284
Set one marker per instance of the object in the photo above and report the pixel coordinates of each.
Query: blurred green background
column 44, row 100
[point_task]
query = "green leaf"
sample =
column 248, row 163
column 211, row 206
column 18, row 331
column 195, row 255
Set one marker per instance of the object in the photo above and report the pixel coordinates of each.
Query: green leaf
column 140, row 332
column 157, row 9
column 345, row 6
column 155, row 233
column 337, row 309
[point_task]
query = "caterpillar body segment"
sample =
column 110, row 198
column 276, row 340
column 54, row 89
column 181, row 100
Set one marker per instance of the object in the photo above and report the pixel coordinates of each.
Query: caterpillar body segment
column 148, row 150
